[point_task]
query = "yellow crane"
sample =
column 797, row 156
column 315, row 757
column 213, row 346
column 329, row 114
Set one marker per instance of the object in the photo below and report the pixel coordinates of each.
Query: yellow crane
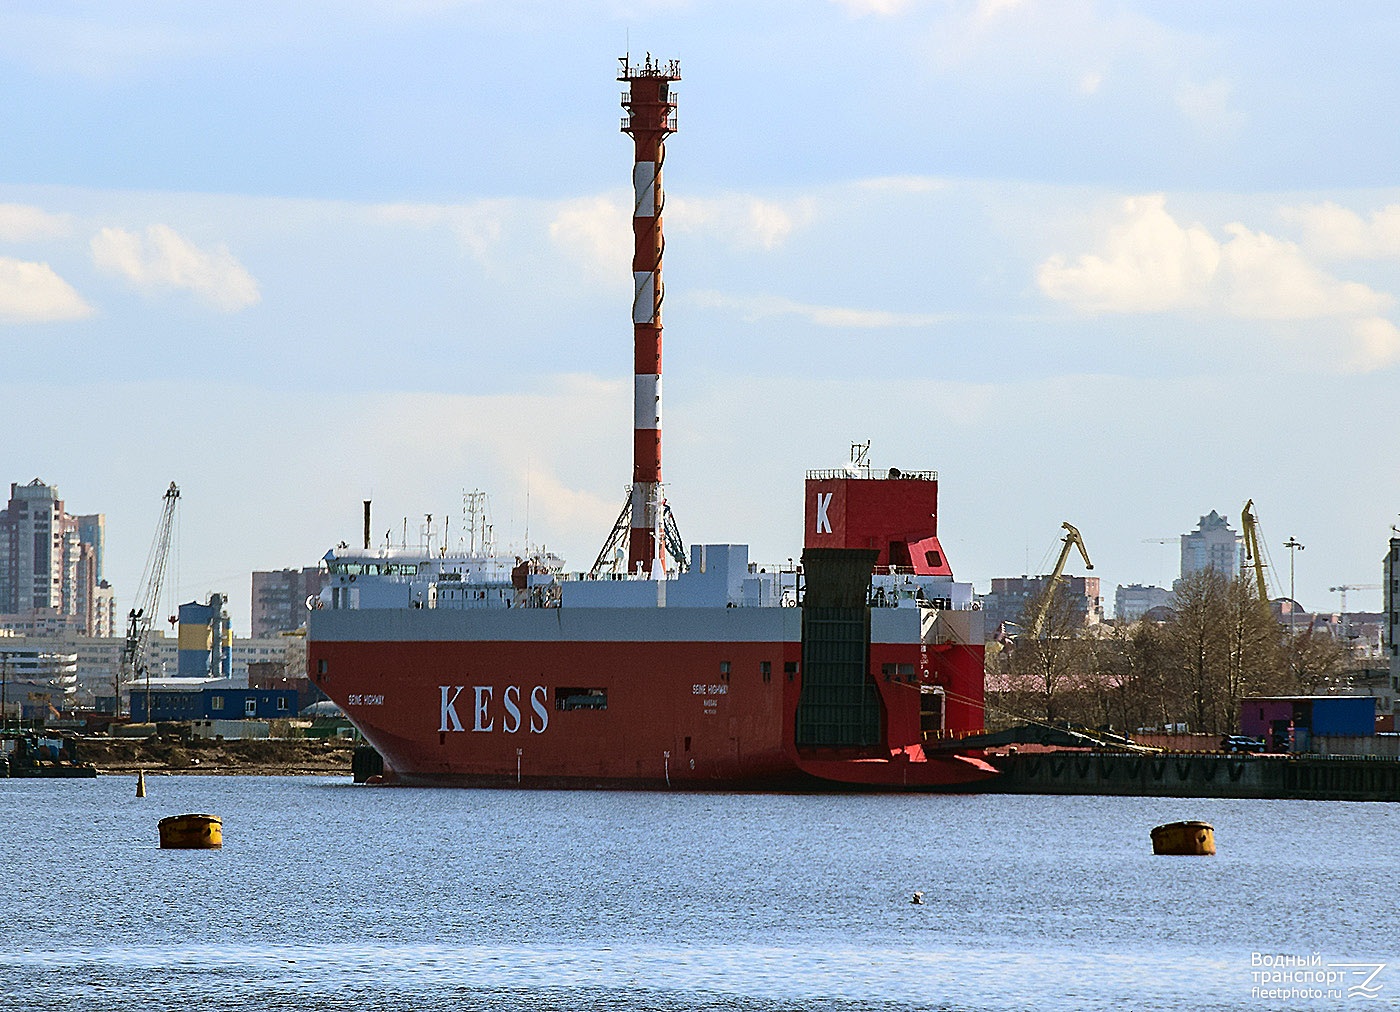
column 135, row 662
column 1072, row 540
column 1252, row 554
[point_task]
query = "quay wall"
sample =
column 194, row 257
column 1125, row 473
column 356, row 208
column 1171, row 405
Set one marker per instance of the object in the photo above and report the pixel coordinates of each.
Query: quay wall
column 1343, row 778
column 1387, row 745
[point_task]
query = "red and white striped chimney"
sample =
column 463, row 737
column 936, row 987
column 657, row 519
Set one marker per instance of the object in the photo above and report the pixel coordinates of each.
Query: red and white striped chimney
column 651, row 117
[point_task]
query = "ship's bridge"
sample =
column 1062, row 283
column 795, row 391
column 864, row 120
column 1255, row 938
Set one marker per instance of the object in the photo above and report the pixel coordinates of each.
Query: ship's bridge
column 720, row 576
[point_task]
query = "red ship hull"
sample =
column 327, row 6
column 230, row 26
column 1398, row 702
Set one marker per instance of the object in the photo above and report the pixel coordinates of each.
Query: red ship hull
column 560, row 698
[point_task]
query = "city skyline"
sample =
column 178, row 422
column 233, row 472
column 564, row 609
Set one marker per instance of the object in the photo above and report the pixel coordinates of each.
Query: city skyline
column 1113, row 263
column 275, row 594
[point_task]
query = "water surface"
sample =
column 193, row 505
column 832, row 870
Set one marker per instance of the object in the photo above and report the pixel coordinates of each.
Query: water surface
column 332, row 896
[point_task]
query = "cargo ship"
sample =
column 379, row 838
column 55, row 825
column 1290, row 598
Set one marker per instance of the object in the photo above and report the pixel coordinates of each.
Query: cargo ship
column 658, row 668
column 858, row 667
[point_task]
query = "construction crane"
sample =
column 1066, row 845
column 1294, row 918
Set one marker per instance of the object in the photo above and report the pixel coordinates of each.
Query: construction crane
column 1343, row 591
column 1252, row 554
column 139, row 620
column 1072, row 540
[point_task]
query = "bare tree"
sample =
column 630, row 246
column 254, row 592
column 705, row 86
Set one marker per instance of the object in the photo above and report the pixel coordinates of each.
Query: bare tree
column 1043, row 669
column 1315, row 661
column 1254, row 661
column 1199, row 637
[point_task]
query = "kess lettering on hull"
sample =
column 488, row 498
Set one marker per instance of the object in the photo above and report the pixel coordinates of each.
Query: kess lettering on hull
column 485, row 713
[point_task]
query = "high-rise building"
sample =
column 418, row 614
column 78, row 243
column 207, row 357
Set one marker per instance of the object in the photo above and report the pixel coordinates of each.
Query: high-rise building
column 1390, row 570
column 104, row 611
column 279, row 599
column 1133, row 600
column 48, row 566
column 1212, row 545
column 1012, row 596
column 92, row 530
column 36, row 679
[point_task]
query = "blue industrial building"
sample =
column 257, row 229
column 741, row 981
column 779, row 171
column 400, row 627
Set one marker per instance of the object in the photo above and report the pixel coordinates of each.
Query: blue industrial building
column 1291, row 722
column 210, row 701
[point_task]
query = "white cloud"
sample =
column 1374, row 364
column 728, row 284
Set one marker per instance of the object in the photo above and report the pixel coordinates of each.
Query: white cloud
column 33, row 293
column 1150, row 263
column 596, row 231
column 510, row 444
column 743, row 220
column 1338, row 232
column 1063, row 39
column 1264, row 278
column 988, row 10
column 1208, row 105
column 1376, row 346
column 878, row 8
column 478, row 226
column 19, row 223
column 760, row 307
column 902, row 184
column 165, row 259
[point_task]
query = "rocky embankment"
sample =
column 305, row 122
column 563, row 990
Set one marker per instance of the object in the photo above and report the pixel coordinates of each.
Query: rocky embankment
column 263, row 757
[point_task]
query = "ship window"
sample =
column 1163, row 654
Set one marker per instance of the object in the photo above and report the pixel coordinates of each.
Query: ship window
column 934, row 559
column 687, row 743
column 724, row 670
column 216, row 702
column 321, row 666
column 766, row 667
column 281, row 704
column 580, row 699
column 790, row 669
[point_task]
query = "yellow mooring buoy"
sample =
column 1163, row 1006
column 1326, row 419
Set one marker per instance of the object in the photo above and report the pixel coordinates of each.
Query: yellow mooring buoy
column 140, row 783
column 1184, row 838
column 191, row 832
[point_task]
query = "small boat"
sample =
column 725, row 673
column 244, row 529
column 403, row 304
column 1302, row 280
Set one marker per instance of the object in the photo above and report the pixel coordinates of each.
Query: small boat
column 1184, row 838
column 191, row 832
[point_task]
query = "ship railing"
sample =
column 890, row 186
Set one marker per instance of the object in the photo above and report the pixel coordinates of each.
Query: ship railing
column 943, row 734
column 879, row 598
column 863, row 473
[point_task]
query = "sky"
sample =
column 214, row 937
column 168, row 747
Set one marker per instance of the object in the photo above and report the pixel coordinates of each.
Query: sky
column 1115, row 263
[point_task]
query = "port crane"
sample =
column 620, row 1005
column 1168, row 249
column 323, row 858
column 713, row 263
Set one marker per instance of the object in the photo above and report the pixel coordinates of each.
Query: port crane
column 1252, row 553
column 1071, row 540
column 1343, row 591
column 135, row 663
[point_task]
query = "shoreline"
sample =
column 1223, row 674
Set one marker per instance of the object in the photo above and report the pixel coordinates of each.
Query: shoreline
column 170, row 756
